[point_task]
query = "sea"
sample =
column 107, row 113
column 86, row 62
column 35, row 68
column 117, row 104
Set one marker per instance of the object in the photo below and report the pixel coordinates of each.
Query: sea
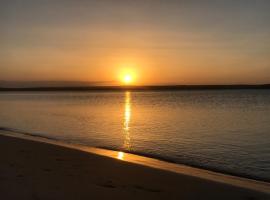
column 226, row 131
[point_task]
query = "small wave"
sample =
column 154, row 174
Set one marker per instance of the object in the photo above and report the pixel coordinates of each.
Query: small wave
column 26, row 133
column 149, row 155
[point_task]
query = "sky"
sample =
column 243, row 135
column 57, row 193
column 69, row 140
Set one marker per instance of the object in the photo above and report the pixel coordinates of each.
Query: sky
column 156, row 41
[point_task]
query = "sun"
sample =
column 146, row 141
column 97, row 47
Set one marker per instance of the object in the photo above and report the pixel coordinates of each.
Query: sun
column 127, row 76
column 127, row 79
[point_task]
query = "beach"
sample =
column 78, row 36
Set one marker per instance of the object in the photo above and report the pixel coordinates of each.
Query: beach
column 143, row 100
column 40, row 170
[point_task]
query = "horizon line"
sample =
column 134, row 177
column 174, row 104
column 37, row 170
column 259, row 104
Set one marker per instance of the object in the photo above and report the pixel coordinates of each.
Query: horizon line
column 139, row 87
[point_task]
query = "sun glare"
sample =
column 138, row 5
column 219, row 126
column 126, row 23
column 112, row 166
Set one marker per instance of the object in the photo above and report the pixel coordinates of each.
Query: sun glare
column 127, row 79
column 127, row 75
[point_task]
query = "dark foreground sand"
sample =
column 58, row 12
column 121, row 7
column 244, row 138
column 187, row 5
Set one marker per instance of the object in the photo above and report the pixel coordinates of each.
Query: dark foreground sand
column 36, row 170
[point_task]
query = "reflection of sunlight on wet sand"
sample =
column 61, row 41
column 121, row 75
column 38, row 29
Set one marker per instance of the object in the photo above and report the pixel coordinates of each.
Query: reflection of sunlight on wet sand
column 120, row 155
column 126, row 125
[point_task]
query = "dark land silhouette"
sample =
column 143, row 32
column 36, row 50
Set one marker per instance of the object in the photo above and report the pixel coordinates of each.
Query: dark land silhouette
column 138, row 88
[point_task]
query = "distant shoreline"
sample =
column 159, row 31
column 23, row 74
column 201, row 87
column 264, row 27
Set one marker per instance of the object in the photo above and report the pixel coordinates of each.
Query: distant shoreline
column 139, row 88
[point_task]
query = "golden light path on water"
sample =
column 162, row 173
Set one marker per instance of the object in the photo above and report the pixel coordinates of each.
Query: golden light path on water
column 126, row 125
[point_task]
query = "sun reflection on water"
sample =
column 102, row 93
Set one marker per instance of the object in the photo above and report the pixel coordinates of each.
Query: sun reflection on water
column 126, row 124
column 120, row 155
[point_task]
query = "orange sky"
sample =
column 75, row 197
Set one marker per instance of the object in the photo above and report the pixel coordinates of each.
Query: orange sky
column 178, row 42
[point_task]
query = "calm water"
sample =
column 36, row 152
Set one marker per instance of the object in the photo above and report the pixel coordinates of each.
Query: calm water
column 221, row 130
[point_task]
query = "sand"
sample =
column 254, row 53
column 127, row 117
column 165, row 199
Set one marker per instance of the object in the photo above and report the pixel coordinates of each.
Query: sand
column 38, row 170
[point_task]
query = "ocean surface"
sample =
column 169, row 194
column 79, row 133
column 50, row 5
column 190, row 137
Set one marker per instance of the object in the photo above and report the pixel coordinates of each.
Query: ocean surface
column 221, row 130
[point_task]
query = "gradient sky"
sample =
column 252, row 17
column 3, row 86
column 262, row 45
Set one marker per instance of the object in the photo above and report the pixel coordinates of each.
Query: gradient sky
column 162, row 41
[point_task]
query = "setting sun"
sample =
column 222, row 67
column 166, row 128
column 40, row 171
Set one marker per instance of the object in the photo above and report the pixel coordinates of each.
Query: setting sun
column 128, row 76
column 127, row 79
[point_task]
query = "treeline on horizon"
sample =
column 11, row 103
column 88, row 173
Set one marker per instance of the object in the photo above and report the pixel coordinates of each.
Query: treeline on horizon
column 138, row 88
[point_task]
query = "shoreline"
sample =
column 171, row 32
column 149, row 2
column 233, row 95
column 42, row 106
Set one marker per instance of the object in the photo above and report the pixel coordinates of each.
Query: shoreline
column 188, row 164
column 206, row 176
column 32, row 136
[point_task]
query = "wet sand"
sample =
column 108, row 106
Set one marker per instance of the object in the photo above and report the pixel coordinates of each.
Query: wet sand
column 38, row 170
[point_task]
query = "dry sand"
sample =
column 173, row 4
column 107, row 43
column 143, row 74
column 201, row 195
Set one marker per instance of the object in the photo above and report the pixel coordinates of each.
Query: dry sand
column 37, row 170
